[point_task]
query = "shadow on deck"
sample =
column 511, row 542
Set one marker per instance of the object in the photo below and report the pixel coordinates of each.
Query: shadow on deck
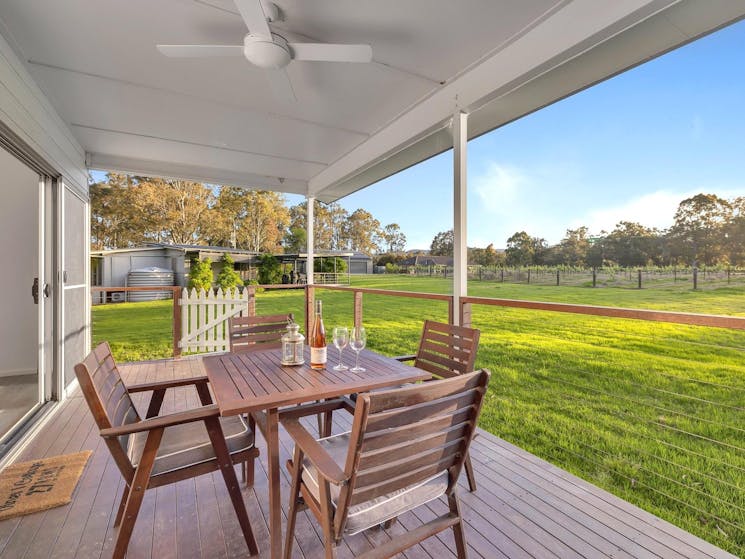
column 524, row 506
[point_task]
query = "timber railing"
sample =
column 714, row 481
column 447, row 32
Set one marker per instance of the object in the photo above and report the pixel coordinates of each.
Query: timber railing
column 103, row 294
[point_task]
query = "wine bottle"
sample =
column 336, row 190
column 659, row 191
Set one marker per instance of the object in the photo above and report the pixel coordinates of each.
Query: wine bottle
column 318, row 340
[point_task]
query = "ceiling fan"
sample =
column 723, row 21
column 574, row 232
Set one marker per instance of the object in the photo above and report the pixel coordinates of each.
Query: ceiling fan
column 265, row 49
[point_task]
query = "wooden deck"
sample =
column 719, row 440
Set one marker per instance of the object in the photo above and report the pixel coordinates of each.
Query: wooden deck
column 524, row 507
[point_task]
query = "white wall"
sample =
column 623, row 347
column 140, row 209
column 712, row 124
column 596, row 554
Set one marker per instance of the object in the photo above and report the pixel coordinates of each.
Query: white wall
column 19, row 191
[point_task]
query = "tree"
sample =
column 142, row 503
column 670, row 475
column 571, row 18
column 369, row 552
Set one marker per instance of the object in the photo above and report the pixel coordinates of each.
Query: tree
column 443, row 243
column 633, row 244
column 112, row 216
column 363, row 232
column 483, row 256
column 200, row 274
column 329, row 224
column 698, row 231
column 254, row 220
column 521, row 249
column 394, row 239
column 228, row 278
column 174, row 211
column 574, row 246
column 296, row 240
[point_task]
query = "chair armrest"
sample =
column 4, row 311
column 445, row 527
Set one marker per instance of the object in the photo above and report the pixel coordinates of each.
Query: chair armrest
column 405, row 358
column 162, row 421
column 321, row 459
column 148, row 386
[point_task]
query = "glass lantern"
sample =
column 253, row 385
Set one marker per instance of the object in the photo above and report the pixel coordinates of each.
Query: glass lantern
column 292, row 345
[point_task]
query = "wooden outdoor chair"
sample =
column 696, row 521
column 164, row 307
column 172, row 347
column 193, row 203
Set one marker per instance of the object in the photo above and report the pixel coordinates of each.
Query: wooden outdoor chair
column 159, row 450
column 253, row 333
column 407, row 447
column 446, row 350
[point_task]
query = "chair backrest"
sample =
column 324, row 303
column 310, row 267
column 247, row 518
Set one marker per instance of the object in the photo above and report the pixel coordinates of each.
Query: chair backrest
column 251, row 333
column 405, row 436
column 107, row 396
column 446, row 350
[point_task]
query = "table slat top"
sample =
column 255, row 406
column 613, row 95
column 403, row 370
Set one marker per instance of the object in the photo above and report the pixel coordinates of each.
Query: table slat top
column 253, row 381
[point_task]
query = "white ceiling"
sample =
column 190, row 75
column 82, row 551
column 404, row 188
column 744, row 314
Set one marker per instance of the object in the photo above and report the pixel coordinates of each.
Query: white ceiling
column 218, row 120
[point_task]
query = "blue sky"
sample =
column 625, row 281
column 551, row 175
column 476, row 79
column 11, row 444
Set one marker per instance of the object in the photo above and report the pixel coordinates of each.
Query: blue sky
column 630, row 148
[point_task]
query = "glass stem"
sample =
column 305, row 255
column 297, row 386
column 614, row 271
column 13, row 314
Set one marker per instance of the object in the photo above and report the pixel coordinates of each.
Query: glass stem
column 340, row 356
column 357, row 361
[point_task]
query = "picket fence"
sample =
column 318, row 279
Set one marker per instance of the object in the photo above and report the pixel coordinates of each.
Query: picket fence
column 204, row 318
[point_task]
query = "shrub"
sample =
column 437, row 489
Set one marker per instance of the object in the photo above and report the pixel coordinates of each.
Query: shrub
column 228, row 278
column 391, row 268
column 270, row 271
column 200, row 274
column 327, row 265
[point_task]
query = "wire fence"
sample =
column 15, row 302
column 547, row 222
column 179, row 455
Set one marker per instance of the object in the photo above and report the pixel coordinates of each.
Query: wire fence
column 630, row 278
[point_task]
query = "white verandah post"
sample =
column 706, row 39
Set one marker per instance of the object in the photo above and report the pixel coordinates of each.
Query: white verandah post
column 309, row 266
column 460, row 223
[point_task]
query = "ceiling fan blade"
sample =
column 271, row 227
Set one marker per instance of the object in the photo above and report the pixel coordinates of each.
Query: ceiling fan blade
column 279, row 81
column 327, row 52
column 254, row 16
column 200, row 51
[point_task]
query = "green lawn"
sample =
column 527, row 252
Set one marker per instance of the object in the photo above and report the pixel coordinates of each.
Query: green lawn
column 652, row 412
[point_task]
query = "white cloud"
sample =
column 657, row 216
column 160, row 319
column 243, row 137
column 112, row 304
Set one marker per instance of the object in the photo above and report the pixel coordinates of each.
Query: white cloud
column 656, row 209
column 498, row 187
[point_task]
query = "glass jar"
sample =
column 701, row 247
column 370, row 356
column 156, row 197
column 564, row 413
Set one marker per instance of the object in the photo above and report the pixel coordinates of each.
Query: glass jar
column 292, row 345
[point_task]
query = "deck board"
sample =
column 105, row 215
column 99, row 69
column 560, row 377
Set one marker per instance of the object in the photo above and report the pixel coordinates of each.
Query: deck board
column 524, row 507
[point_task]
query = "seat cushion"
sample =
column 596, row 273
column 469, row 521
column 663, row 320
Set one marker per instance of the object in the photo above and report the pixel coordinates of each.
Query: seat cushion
column 375, row 511
column 189, row 444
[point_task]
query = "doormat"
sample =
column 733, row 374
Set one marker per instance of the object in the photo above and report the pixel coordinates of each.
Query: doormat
column 40, row 484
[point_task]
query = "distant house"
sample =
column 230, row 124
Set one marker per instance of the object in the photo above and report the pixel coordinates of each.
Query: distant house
column 357, row 262
column 426, row 261
column 111, row 268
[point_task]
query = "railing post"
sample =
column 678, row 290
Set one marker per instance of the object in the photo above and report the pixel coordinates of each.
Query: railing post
column 177, row 325
column 451, row 315
column 357, row 308
column 251, row 300
column 310, row 297
column 465, row 314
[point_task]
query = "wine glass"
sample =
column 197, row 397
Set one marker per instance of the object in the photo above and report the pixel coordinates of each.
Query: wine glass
column 341, row 339
column 358, row 340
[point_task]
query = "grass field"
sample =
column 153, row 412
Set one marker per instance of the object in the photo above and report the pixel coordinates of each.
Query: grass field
column 652, row 412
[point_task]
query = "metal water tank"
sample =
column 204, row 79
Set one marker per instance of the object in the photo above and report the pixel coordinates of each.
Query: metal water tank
column 149, row 277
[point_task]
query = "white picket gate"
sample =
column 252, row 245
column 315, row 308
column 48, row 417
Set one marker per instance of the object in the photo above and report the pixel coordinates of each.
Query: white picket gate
column 204, row 318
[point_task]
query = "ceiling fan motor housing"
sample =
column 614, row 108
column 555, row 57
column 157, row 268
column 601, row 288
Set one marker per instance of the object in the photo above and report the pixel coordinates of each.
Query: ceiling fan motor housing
column 266, row 53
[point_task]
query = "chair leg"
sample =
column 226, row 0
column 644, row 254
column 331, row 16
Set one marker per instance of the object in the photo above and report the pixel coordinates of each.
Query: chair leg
column 248, row 471
column 328, row 423
column 294, row 501
column 327, row 519
column 247, row 467
column 214, row 429
column 122, row 504
column 469, row 473
column 137, row 492
column 460, row 538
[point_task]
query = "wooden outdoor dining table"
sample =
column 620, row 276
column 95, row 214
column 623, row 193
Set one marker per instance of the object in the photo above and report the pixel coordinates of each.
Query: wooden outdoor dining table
column 256, row 382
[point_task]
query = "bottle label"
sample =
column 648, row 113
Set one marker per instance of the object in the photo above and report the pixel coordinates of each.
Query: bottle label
column 317, row 355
